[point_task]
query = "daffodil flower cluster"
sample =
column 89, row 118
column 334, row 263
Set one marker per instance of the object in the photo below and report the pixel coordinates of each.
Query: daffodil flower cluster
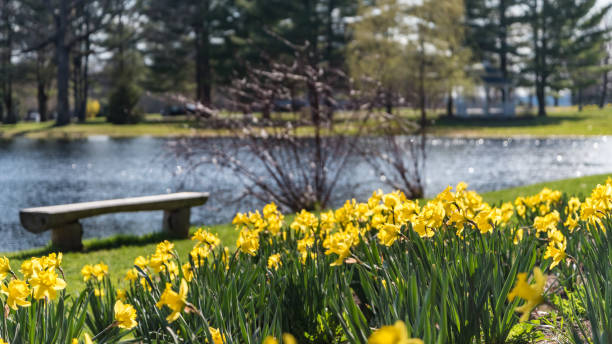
column 40, row 280
column 252, row 224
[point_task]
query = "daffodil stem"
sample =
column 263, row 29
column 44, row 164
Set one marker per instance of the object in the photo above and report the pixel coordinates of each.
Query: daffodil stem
column 113, row 324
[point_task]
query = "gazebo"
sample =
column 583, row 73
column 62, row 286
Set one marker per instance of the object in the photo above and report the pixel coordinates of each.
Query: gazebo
column 489, row 97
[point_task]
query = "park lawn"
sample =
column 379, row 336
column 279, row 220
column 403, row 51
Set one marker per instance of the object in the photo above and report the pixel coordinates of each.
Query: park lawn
column 561, row 121
column 153, row 125
column 119, row 252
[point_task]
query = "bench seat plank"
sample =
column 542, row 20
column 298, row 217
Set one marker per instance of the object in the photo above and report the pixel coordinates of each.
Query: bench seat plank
column 37, row 220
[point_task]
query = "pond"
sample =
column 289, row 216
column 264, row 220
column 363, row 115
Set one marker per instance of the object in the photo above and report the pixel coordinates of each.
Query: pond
column 37, row 173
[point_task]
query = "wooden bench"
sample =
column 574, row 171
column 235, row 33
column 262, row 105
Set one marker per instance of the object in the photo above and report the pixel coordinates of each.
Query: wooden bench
column 67, row 232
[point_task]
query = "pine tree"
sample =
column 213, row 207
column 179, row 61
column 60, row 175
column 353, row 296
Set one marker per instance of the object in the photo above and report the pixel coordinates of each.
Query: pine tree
column 566, row 38
column 181, row 33
column 493, row 30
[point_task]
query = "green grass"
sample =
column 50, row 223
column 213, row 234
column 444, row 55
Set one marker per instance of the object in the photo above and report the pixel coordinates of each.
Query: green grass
column 119, row 252
column 154, row 125
column 562, row 121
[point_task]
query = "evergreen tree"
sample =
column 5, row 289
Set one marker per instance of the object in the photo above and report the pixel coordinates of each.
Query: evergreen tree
column 566, row 37
column 8, row 28
column 126, row 68
column 493, row 30
column 182, row 33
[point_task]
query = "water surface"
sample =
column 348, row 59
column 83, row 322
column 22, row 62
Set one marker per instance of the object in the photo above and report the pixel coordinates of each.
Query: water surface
column 37, row 173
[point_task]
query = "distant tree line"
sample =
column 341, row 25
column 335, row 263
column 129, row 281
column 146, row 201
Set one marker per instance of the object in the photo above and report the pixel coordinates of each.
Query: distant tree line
column 419, row 53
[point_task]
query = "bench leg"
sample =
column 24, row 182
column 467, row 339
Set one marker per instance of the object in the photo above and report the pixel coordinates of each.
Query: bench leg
column 68, row 237
column 176, row 222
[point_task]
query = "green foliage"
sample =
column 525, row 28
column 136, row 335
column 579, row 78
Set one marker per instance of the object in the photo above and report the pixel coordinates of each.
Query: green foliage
column 415, row 50
column 595, row 274
column 122, row 104
column 442, row 300
column 45, row 322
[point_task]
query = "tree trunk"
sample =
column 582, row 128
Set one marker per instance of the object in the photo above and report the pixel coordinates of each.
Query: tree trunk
column 556, row 100
column 41, row 86
column 7, row 57
column 266, row 110
column 294, row 105
column 541, row 95
column 203, row 72
column 81, row 107
column 604, row 86
column 503, row 37
column 330, row 32
column 580, row 99
column 76, row 84
column 63, row 65
column 449, row 105
column 389, row 102
column 422, row 94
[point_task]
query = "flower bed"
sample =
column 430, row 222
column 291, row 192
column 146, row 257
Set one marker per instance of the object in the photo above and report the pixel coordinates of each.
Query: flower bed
column 453, row 270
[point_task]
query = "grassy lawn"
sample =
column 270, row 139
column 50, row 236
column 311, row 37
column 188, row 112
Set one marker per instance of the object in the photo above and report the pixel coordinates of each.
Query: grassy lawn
column 119, row 252
column 154, row 125
column 562, row 121
column 565, row 121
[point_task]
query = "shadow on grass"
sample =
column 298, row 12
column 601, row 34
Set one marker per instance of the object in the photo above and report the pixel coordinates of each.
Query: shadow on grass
column 519, row 121
column 93, row 245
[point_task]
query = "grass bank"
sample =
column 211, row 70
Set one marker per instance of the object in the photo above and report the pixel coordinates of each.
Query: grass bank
column 561, row 121
column 119, row 252
column 153, row 125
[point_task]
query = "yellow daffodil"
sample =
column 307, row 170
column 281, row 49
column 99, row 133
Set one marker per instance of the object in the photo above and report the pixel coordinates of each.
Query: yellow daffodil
column 158, row 260
column 206, row 238
column 533, row 294
column 248, row 241
column 175, row 301
column 87, row 272
column 199, row 253
column 274, row 261
column 76, row 341
column 17, row 292
column 121, row 295
column 288, row 338
column 46, row 284
column 30, row 266
column 393, row 334
column 338, row 243
column 556, row 249
column 131, row 275
column 388, row 233
column 187, row 272
column 125, row 315
column 270, row 340
column 165, row 246
column 141, row 262
column 5, row 268
column 99, row 271
column 172, row 269
column 52, row 260
column 217, row 337
column 518, row 236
